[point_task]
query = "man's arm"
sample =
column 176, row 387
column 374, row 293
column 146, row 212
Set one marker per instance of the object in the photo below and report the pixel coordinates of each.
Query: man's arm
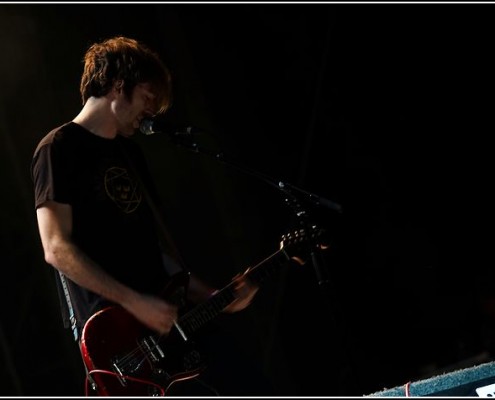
column 55, row 227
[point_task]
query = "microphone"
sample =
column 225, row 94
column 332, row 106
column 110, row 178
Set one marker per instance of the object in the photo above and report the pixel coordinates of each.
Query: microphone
column 150, row 126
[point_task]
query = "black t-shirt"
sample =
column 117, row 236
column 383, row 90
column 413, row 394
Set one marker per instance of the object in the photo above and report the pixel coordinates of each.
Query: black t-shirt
column 112, row 220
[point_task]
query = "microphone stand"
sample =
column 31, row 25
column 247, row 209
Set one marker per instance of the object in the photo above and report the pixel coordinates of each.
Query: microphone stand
column 291, row 200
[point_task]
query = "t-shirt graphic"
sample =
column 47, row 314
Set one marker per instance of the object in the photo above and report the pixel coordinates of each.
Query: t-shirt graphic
column 122, row 189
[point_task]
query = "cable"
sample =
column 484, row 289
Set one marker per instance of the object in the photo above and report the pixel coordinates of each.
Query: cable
column 102, row 371
column 407, row 389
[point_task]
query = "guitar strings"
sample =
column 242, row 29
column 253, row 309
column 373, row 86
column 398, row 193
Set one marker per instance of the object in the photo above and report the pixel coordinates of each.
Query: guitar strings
column 133, row 356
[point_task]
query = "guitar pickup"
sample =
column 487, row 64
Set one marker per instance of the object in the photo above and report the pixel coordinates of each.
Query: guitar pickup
column 119, row 374
column 152, row 349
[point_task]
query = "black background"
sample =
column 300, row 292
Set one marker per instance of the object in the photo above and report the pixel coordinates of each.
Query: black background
column 385, row 109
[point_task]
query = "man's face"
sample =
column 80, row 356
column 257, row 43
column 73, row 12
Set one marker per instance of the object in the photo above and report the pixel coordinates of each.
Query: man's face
column 130, row 113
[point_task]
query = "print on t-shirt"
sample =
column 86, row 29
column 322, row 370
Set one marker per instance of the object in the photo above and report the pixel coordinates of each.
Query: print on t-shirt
column 122, row 189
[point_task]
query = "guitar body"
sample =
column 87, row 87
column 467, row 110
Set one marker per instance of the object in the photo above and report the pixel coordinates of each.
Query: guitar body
column 124, row 358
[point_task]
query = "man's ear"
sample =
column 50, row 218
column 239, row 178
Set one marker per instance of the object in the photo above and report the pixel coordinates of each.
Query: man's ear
column 118, row 85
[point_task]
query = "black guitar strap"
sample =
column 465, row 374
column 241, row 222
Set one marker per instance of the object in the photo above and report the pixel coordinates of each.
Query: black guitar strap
column 73, row 325
column 72, row 316
column 171, row 254
column 166, row 239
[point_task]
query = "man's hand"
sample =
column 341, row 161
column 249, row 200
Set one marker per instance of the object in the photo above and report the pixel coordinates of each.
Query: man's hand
column 153, row 312
column 245, row 291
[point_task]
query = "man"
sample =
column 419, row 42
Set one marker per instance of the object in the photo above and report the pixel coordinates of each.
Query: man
column 96, row 202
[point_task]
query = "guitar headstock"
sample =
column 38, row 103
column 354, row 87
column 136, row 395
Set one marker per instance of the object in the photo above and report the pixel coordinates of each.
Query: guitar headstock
column 301, row 241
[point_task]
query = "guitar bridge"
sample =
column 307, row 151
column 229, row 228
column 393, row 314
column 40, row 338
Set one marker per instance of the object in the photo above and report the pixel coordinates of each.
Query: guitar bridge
column 127, row 366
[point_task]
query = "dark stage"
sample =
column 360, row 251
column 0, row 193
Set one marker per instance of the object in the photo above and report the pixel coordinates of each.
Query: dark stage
column 385, row 109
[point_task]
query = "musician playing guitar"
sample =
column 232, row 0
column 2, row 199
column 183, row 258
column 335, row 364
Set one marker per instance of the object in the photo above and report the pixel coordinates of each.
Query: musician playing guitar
column 95, row 203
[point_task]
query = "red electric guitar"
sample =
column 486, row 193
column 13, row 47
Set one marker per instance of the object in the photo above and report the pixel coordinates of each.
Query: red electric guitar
column 125, row 358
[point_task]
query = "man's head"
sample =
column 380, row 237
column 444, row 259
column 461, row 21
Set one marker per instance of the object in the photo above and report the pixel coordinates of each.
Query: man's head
column 125, row 62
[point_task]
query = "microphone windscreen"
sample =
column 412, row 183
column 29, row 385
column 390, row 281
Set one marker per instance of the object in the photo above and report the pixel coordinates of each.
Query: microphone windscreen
column 146, row 126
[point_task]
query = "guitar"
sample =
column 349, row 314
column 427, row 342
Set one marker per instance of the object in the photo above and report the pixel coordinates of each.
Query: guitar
column 125, row 358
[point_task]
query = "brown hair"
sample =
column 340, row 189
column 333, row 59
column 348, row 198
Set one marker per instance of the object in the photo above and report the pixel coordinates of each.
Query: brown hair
column 130, row 61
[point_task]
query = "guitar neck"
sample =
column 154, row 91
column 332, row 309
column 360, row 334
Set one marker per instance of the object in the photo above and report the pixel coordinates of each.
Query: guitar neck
column 206, row 311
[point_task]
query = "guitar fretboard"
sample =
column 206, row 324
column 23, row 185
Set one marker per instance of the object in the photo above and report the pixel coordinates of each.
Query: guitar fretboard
column 206, row 311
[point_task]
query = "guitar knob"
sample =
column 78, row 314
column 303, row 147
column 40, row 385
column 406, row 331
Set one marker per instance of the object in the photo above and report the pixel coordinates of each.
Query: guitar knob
column 191, row 360
column 154, row 392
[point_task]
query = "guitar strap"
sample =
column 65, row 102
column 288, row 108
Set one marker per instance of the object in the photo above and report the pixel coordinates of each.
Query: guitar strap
column 74, row 325
column 166, row 239
column 174, row 258
column 72, row 317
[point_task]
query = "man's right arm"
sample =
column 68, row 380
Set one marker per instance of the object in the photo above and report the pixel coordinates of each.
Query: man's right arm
column 55, row 227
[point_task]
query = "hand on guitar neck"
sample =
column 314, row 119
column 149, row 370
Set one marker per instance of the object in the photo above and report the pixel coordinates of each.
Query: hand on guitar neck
column 244, row 291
